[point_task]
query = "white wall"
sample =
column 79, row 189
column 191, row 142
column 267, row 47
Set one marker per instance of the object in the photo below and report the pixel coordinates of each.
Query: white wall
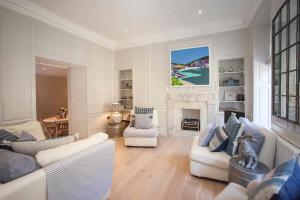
column 51, row 95
column 21, row 40
column 150, row 66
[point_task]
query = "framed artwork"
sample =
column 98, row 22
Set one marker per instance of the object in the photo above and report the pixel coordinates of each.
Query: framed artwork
column 189, row 67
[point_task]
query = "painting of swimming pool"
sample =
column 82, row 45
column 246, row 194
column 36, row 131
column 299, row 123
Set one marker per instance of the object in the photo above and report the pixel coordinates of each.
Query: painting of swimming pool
column 190, row 67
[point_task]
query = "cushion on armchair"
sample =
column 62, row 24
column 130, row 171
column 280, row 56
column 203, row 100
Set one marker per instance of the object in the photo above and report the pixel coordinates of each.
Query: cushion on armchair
column 234, row 129
column 206, row 134
column 143, row 121
column 251, row 129
column 144, row 133
column 143, row 110
column 219, row 140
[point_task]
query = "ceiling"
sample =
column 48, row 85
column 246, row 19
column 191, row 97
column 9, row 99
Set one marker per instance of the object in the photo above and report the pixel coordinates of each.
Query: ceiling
column 48, row 67
column 150, row 21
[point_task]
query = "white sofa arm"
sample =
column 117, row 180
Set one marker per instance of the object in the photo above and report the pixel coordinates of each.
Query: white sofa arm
column 267, row 152
column 31, row 186
column 233, row 191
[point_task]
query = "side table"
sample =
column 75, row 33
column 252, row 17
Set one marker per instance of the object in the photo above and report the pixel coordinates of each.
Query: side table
column 242, row 175
column 116, row 130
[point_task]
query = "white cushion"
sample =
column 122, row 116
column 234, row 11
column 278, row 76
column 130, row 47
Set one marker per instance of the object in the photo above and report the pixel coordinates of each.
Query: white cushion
column 141, row 142
column 233, row 192
column 50, row 156
column 144, row 133
column 32, row 147
column 155, row 117
column 32, row 127
column 203, row 155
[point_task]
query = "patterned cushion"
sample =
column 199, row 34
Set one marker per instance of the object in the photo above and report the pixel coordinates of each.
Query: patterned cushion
column 290, row 190
column 251, row 129
column 232, row 145
column 233, row 129
column 219, row 141
column 6, row 136
column 231, row 124
column 144, row 110
column 272, row 186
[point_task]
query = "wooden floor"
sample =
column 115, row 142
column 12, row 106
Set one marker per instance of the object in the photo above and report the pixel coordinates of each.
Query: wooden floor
column 160, row 173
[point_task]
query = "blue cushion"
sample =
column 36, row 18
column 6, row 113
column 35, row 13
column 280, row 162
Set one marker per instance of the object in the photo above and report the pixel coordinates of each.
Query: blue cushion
column 251, row 129
column 206, row 135
column 219, row 140
column 14, row 165
column 233, row 129
column 244, row 121
column 231, row 125
column 268, row 188
column 143, row 110
column 232, row 145
column 291, row 189
column 26, row 137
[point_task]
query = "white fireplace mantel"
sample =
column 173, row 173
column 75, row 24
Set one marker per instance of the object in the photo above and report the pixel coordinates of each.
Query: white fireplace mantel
column 205, row 102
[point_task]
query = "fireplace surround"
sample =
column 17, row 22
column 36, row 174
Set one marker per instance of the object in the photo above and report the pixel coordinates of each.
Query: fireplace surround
column 205, row 102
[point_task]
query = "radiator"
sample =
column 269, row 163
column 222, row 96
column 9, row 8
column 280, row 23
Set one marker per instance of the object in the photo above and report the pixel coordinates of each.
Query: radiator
column 285, row 151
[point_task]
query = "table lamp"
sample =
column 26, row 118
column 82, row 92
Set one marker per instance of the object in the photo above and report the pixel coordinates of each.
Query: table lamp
column 115, row 115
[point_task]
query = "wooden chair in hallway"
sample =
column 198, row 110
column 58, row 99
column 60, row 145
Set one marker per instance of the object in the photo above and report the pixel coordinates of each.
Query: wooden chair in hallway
column 49, row 129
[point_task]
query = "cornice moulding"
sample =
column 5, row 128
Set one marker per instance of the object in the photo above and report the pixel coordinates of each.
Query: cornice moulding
column 36, row 12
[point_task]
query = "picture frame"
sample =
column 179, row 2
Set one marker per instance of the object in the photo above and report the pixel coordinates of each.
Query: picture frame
column 230, row 95
column 190, row 66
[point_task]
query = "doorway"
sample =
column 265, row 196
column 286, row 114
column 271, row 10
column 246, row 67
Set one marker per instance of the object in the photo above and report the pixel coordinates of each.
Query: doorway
column 61, row 102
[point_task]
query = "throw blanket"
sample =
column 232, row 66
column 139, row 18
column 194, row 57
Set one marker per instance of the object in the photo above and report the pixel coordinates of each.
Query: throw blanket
column 85, row 176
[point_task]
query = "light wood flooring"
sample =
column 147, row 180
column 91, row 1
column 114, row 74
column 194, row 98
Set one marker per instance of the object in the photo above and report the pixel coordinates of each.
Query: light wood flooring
column 160, row 173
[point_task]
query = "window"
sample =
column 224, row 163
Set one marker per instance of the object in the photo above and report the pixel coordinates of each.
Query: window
column 285, row 62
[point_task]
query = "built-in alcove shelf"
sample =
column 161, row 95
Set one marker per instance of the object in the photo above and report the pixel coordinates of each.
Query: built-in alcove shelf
column 126, row 88
column 231, row 85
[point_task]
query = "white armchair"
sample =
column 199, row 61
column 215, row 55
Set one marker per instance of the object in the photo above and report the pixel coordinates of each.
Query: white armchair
column 215, row 165
column 142, row 137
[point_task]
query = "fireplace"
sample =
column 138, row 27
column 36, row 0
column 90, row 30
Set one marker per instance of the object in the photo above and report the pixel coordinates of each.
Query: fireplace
column 189, row 105
column 190, row 119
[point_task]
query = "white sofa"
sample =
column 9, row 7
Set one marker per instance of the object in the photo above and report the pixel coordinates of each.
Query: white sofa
column 34, row 186
column 142, row 137
column 215, row 165
column 233, row 192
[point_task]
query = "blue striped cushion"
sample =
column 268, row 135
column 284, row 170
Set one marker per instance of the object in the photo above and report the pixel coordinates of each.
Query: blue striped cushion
column 290, row 189
column 232, row 124
column 233, row 129
column 143, row 110
column 269, row 187
column 232, row 145
column 219, row 141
